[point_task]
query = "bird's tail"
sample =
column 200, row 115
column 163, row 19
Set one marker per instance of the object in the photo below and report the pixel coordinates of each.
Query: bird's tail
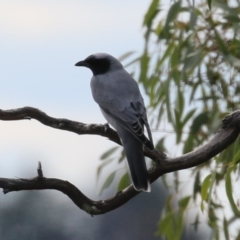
column 134, row 153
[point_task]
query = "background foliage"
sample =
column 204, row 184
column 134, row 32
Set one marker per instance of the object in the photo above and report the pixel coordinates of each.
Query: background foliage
column 189, row 70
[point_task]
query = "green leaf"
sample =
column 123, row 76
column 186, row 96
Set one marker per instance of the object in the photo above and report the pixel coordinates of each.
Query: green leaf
column 166, row 87
column 193, row 18
column 173, row 12
column 189, row 143
column 167, row 54
column 160, row 145
column 132, row 62
column 167, row 222
column 166, row 226
column 177, row 126
column 108, row 153
column 183, row 203
column 100, row 168
column 144, row 68
column 225, row 228
column 188, row 116
column 236, row 158
column 233, row 60
column 180, row 102
column 108, row 182
column 176, row 181
column 209, row 2
column 125, row 55
column 196, row 84
column 222, row 46
column 228, row 188
column 196, row 223
column 196, row 186
column 202, row 206
column 205, row 187
column 238, row 235
column 175, row 59
column 232, row 18
column 124, row 182
column 193, row 59
column 224, row 88
column 198, row 122
column 122, row 156
column 151, row 13
column 172, row 15
column 212, row 217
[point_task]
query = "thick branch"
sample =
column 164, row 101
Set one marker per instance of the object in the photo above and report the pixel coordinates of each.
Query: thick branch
column 28, row 113
column 58, row 123
column 223, row 138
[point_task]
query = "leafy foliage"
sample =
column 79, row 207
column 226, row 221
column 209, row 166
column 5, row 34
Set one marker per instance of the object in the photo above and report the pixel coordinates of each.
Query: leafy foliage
column 189, row 70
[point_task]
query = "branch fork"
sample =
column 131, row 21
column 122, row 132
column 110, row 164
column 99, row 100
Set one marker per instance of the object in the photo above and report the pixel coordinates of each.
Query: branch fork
column 225, row 136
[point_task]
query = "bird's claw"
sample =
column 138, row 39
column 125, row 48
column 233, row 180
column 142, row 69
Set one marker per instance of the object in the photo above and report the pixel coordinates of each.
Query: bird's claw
column 160, row 157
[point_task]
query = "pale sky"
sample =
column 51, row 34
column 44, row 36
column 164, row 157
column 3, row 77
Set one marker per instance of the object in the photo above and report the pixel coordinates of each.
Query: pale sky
column 40, row 43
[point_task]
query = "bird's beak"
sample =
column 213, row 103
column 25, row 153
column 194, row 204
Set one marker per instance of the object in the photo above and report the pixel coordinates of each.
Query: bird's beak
column 81, row 64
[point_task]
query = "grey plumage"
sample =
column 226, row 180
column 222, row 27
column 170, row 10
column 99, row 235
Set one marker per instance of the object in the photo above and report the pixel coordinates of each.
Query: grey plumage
column 121, row 103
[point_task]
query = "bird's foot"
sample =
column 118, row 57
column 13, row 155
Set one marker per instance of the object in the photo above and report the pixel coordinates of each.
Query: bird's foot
column 160, row 157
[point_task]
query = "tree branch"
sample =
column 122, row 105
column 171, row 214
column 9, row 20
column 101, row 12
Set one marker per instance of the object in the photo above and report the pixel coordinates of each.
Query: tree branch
column 226, row 135
column 28, row 113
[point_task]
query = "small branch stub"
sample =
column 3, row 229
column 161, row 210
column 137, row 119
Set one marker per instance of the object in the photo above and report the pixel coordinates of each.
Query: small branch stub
column 226, row 135
column 39, row 170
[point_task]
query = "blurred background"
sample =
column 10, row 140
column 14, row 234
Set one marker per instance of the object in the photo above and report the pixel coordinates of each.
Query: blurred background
column 40, row 43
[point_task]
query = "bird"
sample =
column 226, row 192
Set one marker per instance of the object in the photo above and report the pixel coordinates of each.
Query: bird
column 122, row 105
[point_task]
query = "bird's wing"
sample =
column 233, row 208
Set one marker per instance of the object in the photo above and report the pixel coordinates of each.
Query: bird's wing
column 118, row 96
column 132, row 117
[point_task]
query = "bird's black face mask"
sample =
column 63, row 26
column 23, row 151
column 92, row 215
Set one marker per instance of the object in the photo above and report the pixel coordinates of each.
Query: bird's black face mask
column 97, row 65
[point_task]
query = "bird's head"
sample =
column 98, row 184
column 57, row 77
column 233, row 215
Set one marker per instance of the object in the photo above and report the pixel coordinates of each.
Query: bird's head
column 100, row 63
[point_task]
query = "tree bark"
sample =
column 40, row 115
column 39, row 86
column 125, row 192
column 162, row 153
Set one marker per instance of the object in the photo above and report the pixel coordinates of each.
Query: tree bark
column 226, row 135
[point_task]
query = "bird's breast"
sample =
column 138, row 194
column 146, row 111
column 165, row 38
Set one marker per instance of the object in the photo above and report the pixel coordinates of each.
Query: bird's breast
column 100, row 87
column 116, row 87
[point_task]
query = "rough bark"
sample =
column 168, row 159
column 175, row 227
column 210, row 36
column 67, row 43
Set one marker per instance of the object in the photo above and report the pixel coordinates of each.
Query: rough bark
column 226, row 135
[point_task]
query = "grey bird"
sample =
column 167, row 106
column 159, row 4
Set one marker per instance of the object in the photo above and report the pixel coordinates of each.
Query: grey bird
column 121, row 103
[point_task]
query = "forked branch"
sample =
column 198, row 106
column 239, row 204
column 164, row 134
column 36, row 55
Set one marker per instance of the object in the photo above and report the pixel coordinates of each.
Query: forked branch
column 226, row 135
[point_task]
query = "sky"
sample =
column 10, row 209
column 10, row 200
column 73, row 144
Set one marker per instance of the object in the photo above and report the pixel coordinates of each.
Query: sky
column 40, row 43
